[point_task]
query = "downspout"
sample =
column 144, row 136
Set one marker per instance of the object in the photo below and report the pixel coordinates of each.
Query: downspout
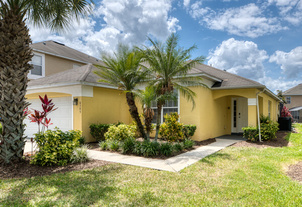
column 258, row 115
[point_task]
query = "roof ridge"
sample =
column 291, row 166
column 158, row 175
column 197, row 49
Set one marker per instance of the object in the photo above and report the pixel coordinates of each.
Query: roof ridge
column 231, row 74
column 86, row 72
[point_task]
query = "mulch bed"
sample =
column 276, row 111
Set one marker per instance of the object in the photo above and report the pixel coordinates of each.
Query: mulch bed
column 25, row 170
column 280, row 141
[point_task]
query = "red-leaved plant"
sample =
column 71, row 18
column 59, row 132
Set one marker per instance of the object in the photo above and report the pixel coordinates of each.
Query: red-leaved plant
column 40, row 117
column 285, row 112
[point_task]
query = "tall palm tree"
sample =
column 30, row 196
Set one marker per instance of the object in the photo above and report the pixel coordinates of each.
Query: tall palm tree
column 15, row 55
column 123, row 71
column 170, row 65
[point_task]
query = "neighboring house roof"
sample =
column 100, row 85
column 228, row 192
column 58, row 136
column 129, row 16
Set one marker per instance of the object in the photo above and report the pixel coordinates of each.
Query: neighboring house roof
column 82, row 75
column 297, row 90
column 296, row 108
column 61, row 50
column 228, row 80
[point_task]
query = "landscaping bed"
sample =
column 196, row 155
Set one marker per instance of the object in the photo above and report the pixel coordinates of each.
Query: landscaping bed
column 279, row 141
column 24, row 169
column 197, row 144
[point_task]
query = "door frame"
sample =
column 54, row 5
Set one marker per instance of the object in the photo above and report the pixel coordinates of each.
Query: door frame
column 237, row 130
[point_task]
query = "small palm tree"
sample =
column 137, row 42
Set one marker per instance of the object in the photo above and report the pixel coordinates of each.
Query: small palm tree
column 15, row 55
column 147, row 97
column 170, row 64
column 123, row 71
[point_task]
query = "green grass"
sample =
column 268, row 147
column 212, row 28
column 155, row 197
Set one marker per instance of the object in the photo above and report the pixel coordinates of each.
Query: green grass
column 231, row 177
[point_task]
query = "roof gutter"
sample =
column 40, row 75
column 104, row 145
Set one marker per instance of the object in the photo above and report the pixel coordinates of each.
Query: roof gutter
column 70, row 84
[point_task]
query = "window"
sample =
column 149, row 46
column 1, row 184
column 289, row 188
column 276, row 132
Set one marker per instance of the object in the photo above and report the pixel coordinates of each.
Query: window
column 295, row 115
column 288, row 99
column 169, row 107
column 38, row 63
column 269, row 108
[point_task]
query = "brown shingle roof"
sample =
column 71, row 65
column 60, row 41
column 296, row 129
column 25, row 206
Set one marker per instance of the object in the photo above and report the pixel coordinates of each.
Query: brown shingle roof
column 229, row 80
column 61, row 50
column 79, row 75
column 297, row 90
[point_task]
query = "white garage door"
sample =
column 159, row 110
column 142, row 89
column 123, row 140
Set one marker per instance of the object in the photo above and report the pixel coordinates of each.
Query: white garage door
column 61, row 118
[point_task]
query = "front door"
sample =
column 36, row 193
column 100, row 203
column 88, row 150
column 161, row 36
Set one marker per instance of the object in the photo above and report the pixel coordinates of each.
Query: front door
column 239, row 114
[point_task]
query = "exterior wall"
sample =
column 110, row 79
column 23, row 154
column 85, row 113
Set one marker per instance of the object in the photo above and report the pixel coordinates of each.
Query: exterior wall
column 106, row 106
column 274, row 106
column 49, row 95
column 295, row 101
column 55, row 64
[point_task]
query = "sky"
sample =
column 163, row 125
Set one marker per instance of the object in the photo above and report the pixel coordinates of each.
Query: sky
column 259, row 40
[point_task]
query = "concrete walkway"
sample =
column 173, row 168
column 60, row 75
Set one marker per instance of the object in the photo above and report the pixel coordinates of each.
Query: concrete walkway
column 173, row 164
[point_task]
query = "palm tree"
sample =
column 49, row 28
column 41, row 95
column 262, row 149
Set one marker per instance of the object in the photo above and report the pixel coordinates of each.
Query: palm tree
column 170, row 65
column 123, row 71
column 15, row 55
column 147, row 97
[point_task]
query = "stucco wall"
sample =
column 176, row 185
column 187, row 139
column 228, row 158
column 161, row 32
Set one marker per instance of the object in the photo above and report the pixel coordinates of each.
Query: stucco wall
column 106, row 106
column 55, row 64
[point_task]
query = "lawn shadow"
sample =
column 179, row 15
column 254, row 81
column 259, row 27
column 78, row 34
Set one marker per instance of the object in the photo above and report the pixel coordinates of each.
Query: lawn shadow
column 211, row 158
column 73, row 188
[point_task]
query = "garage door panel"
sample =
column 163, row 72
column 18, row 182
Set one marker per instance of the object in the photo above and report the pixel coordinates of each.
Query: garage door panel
column 61, row 118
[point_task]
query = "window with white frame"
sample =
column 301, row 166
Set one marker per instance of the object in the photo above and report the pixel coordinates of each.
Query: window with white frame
column 288, row 99
column 169, row 107
column 295, row 115
column 38, row 64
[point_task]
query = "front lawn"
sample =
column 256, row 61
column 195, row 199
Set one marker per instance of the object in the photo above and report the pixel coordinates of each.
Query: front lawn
column 235, row 176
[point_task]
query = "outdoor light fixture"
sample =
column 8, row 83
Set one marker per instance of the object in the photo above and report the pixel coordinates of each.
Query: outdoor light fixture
column 75, row 101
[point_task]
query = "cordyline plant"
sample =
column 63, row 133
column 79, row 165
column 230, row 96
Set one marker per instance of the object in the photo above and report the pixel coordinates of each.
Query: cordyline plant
column 285, row 112
column 40, row 117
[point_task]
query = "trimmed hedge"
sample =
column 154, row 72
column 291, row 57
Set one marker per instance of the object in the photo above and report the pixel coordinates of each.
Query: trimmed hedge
column 98, row 131
column 56, row 147
column 189, row 131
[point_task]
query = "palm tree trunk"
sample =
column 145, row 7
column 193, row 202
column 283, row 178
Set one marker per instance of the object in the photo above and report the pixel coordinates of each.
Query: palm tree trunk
column 134, row 113
column 158, row 119
column 15, row 55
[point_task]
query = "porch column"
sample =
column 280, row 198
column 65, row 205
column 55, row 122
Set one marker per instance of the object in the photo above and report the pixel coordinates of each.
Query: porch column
column 252, row 112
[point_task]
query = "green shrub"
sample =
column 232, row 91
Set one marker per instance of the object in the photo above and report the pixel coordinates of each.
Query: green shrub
column 82, row 141
column 189, row 131
column 113, row 145
column 127, row 146
column 166, row 149
column 137, row 148
column 178, row 147
column 188, row 143
column 265, row 119
column 55, row 147
column 269, row 130
column 104, row 145
column 250, row 133
column 120, row 132
column 150, row 149
column 171, row 129
column 97, row 131
column 80, row 154
column 0, row 128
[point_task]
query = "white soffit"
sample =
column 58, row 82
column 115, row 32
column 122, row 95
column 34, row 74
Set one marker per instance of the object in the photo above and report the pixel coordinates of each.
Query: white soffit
column 74, row 90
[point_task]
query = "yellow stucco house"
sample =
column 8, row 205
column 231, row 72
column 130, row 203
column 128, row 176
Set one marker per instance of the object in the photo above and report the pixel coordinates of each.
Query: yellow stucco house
column 230, row 103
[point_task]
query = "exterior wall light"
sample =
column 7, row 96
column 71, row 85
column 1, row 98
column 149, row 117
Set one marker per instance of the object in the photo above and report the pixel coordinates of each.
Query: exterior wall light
column 75, row 101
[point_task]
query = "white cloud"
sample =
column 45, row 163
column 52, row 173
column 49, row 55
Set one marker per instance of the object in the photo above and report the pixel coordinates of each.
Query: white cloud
column 239, row 57
column 290, row 10
column 291, row 62
column 186, row 3
column 126, row 21
column 248, row 20
column 278, row 84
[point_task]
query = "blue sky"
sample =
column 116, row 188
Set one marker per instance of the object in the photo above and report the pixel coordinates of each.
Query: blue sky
column 260, row 40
